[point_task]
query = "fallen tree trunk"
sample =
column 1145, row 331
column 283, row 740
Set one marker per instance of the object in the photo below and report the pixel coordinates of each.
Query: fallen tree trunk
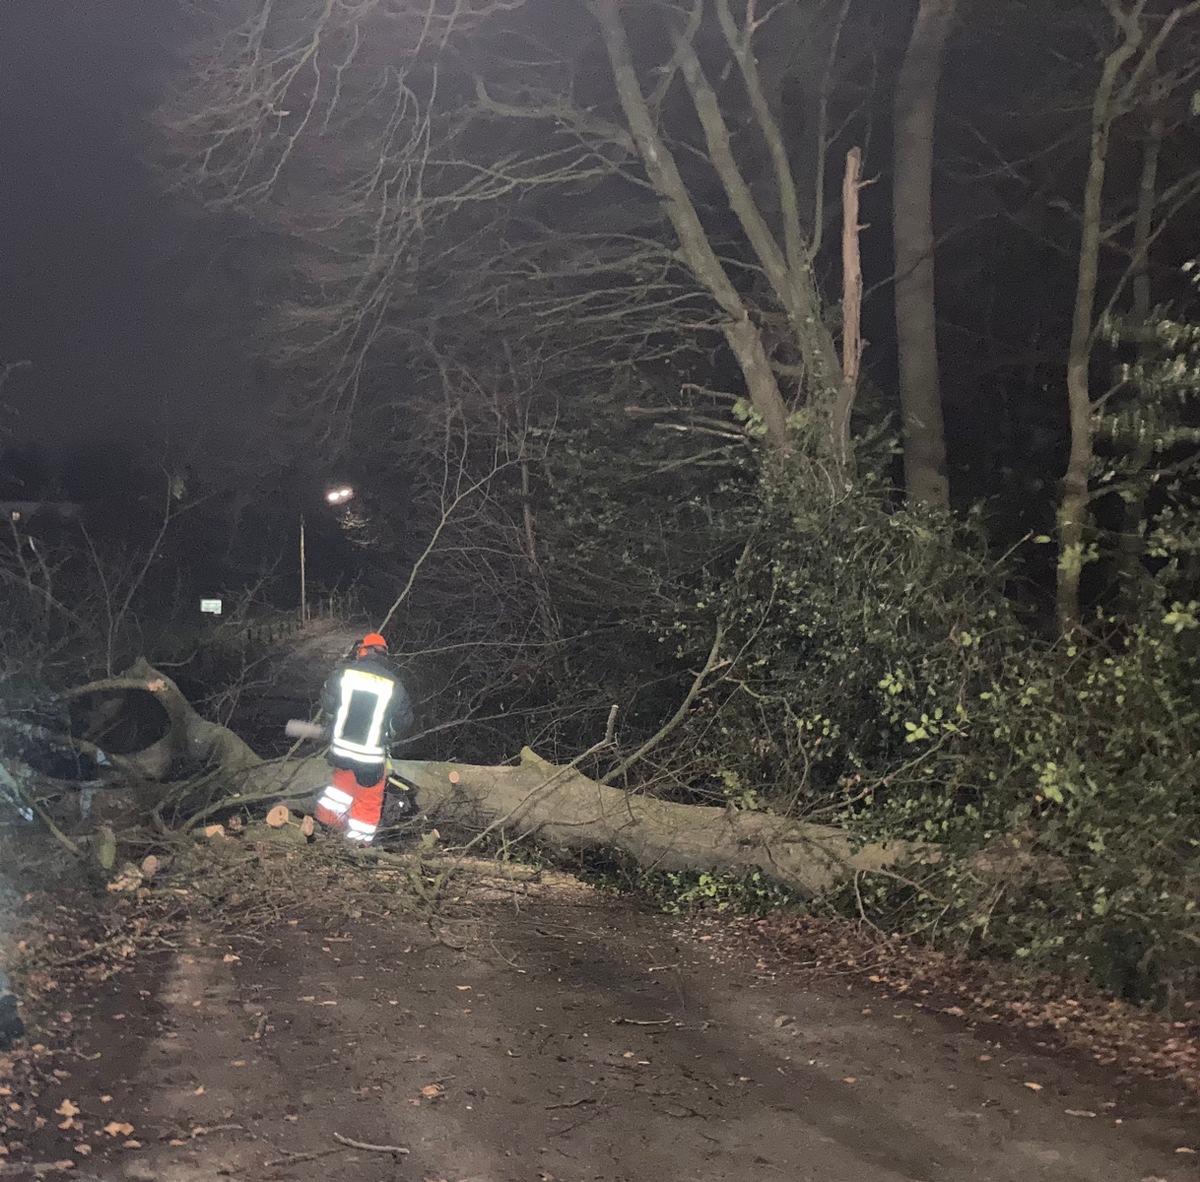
column 189, row 742
column 565, row 808
column 537, row 800
column 533, row 800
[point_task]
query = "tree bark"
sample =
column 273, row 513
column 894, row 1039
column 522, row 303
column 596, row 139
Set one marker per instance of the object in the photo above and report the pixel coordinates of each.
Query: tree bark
column 852, row 298
column 915, row 116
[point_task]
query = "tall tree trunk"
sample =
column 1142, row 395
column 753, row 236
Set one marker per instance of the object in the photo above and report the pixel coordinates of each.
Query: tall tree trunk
column 1073, row 508
column 916, row 309
column 852, row 299
column 798, row 290
column 695, row 249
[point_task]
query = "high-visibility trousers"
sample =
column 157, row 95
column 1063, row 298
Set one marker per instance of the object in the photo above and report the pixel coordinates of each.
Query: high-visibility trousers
column 347, row 806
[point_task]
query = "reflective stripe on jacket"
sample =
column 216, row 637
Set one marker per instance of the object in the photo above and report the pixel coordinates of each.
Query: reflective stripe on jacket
column 361, row 724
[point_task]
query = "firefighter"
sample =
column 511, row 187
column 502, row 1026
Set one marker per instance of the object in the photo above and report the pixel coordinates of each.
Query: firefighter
column 370, row 709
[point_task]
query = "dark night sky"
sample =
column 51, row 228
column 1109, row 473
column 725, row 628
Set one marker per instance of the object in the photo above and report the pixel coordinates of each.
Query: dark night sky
column 132, row 326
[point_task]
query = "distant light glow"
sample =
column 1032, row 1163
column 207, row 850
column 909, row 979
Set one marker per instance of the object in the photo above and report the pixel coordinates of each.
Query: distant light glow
column 339, row 496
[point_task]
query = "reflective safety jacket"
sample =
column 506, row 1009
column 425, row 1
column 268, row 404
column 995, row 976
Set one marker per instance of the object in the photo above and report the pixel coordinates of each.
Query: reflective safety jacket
column 370, row 709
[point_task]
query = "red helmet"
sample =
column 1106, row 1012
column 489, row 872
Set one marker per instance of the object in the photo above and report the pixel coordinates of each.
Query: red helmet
column 372, row 643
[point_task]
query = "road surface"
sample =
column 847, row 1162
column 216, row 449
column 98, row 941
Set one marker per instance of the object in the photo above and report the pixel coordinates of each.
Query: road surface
column 556, row 1035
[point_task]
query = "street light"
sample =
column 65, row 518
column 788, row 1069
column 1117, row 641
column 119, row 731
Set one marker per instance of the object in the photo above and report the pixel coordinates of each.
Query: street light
column 339, row 495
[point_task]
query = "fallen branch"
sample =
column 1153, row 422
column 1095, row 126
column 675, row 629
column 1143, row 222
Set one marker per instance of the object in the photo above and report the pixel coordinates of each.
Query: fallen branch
column 295, row 1159
column 713, row 662
column 367, row 1148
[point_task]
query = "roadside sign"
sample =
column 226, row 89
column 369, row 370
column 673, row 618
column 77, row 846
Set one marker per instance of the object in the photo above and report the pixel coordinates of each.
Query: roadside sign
column 210, row 607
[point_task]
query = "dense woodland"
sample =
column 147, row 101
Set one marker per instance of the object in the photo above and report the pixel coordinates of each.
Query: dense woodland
column 814, row 380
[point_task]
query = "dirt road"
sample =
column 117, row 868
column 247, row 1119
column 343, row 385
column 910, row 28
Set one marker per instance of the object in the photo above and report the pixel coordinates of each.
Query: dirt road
column 558, row 1035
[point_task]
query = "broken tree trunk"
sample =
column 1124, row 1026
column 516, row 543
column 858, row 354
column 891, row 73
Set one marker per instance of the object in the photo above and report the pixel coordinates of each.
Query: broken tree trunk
column 561, row 807
column 539, row 801
column 189, row 742
column 566, row 809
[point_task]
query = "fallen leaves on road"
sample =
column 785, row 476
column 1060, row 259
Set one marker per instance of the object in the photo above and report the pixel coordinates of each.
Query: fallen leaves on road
column 1033, row 1087
column 987, row 994
column 117, row 1128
